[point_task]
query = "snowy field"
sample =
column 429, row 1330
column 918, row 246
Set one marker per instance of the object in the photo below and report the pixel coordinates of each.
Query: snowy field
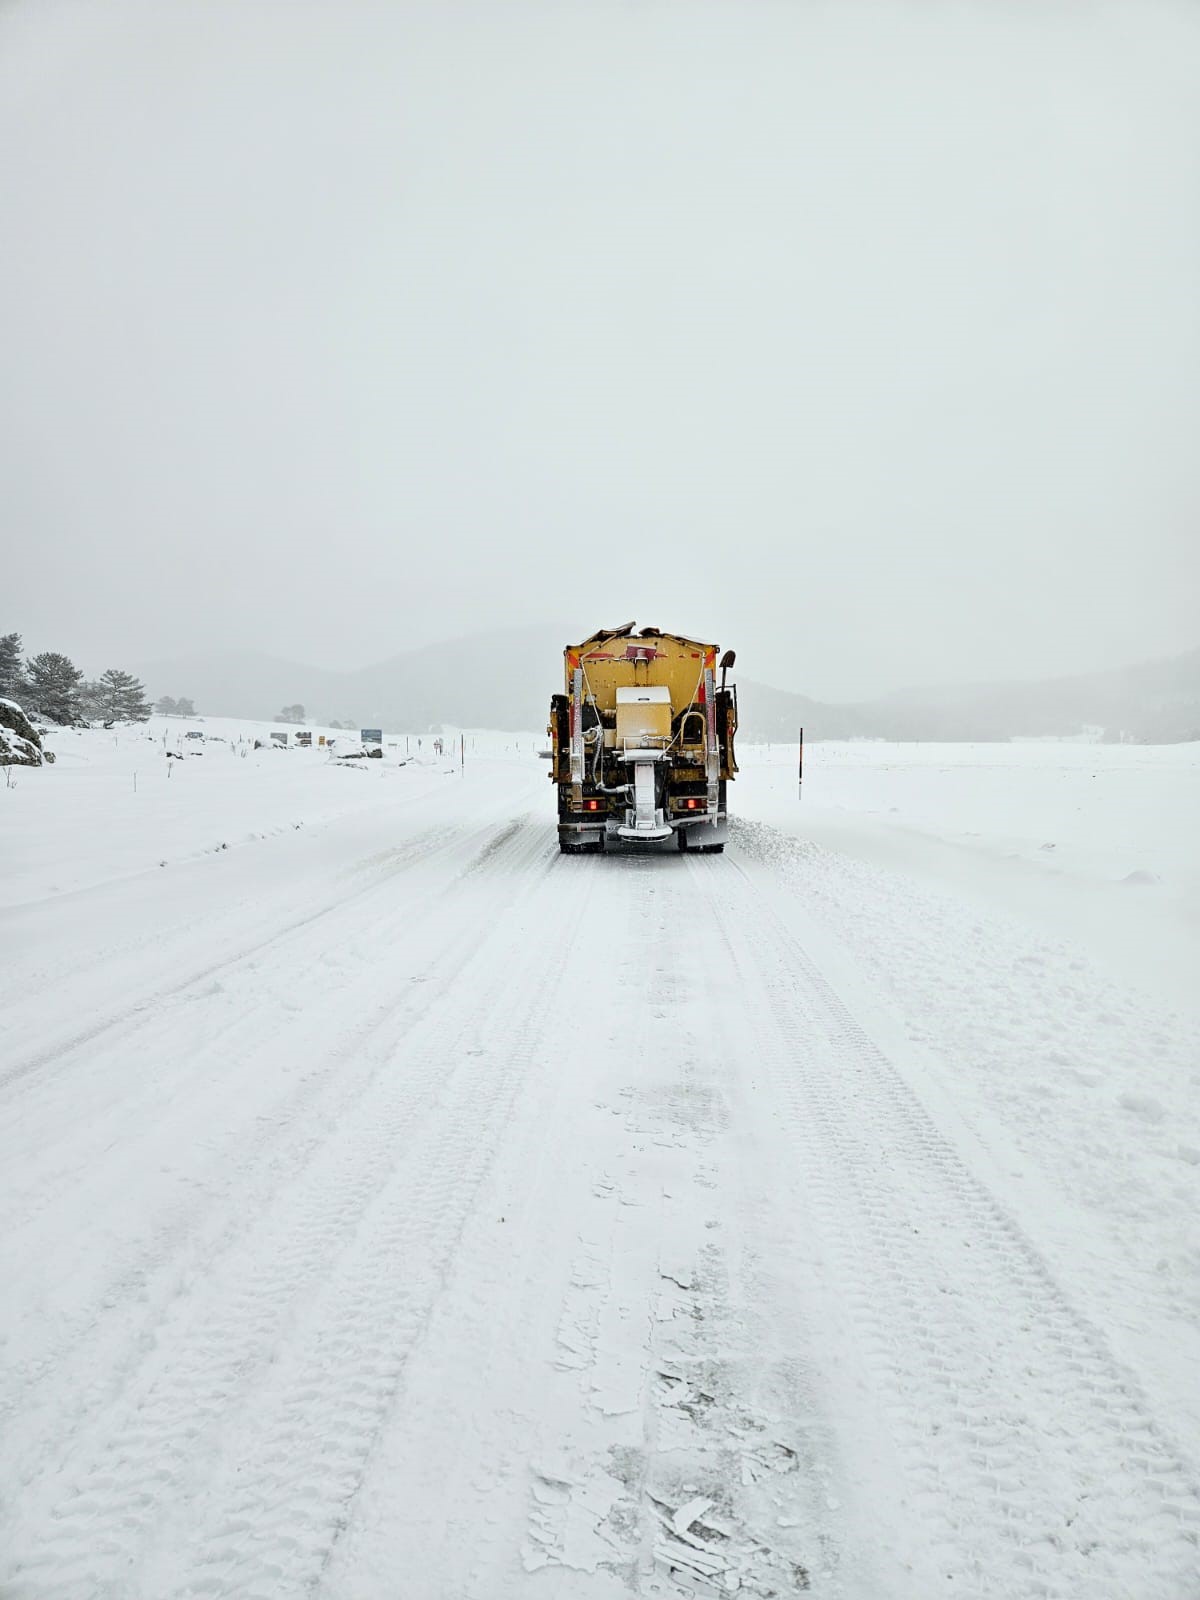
column 396, row 1208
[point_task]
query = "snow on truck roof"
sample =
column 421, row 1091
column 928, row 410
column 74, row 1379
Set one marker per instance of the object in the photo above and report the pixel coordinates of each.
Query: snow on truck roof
column 632, row 631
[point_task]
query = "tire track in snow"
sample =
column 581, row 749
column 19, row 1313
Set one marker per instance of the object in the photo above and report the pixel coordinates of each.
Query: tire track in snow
column 1023, row 1440
column 447, row 1493
column 49, row 1391
column 253, row 1010
column 423, row 849
column 214, row 1342
column 695, row 1474
column 273, row 1523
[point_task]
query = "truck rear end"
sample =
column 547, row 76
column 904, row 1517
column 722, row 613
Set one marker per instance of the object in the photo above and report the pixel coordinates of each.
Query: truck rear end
column 641, row 741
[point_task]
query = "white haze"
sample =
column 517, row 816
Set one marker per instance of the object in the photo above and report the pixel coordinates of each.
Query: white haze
column 864, row 338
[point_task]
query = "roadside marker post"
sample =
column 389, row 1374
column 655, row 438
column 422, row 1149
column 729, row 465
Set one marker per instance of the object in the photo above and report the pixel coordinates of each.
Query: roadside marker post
column 800, row 769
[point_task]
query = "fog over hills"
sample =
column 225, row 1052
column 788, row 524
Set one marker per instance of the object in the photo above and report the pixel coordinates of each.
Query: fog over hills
column 863, row 338
column 500, row 679
column 1152, row 702
column 504, row 678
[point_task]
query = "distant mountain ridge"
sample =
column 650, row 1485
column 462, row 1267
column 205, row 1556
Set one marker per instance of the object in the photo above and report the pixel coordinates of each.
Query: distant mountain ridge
column 1155, row 702
column 504, row 679
column 500, row 679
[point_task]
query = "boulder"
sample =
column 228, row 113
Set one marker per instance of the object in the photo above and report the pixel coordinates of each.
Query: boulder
column 20, row 742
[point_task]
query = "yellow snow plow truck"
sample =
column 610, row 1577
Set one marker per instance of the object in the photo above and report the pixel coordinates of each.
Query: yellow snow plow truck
column 641, row 742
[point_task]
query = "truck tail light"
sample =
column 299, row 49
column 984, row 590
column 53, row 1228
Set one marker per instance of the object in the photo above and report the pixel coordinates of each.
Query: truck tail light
column 692, row 804
column 591, row 805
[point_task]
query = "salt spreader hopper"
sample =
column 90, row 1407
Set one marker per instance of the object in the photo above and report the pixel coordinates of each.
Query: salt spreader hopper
column 642, row 741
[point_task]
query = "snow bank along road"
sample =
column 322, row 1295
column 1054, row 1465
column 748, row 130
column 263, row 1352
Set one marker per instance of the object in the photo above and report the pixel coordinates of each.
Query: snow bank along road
column 395, row 1208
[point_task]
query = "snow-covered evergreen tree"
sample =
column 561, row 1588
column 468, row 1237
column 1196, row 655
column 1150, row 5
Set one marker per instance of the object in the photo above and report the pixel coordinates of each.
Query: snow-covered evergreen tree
column 12, row 671
column 120, row 697
column 54, row 687
column 91, row 700
column 167, row 706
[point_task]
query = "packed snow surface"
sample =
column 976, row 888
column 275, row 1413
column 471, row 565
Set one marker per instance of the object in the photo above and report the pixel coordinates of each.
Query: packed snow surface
column 395, row 1207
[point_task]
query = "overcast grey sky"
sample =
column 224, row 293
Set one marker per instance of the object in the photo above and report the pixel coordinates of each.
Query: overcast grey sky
column 862, row 337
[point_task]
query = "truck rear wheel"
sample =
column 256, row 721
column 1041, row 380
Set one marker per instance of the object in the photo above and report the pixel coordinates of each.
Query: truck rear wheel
column 681, row 838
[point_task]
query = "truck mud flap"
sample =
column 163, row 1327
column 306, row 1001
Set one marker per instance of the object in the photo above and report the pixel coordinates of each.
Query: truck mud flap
column 704, row 835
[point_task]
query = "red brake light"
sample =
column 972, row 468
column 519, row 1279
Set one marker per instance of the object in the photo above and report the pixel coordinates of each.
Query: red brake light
column 591, row 805
column 692, row 804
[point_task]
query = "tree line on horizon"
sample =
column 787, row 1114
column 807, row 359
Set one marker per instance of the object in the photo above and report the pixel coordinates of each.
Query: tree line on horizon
column 51, row 687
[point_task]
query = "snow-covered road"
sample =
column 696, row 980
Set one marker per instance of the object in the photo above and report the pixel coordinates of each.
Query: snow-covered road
column 399, row 1209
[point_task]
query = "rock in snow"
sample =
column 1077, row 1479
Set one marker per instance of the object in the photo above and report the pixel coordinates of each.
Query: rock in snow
column 20, row 742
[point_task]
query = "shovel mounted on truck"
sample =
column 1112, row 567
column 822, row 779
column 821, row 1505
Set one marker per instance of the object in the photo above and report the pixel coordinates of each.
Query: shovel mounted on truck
column 641, row 741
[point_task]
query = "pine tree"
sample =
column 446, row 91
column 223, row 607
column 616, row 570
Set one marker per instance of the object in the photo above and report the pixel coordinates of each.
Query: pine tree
column 13, row 684
column 54, row 687
column 184, row 707
column 121, row 698
column 166, row 707
column 91, row 701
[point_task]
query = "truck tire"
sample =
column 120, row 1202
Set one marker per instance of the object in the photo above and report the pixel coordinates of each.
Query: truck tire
column 681, row 838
